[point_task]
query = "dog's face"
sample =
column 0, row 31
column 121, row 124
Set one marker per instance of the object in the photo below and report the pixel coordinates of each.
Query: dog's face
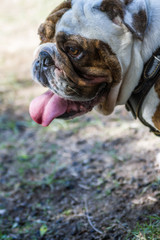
column 84, row 53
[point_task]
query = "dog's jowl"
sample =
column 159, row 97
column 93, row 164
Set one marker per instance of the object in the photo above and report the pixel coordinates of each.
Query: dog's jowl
column 99, row 54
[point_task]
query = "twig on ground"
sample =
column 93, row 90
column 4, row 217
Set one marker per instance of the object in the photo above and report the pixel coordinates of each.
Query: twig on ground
column 89, row 218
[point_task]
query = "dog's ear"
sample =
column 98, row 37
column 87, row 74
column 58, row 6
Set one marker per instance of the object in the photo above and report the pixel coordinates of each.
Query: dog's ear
column 46, row 30
column 132, row 13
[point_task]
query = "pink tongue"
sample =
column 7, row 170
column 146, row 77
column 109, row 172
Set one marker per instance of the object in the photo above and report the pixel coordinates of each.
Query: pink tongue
column 46, row 107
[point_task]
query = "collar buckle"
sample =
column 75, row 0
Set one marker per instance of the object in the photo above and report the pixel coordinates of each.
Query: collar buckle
column 156, row 58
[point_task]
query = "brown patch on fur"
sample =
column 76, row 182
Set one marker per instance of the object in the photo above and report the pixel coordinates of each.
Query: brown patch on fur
column 112, row 8
column 140, row 22
column 126, row 2
column 47, row 29
column 115, row 8
column 96, row 66
column 156, row 117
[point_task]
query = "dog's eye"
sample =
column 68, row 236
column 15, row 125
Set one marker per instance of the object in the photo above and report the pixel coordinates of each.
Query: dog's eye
column 73, row 51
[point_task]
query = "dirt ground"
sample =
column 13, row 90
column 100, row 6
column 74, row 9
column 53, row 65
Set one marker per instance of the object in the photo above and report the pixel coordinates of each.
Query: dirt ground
column 93, row 177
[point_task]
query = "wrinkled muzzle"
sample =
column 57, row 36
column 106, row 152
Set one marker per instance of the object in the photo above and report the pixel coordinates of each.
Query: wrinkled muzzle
column 65, row 99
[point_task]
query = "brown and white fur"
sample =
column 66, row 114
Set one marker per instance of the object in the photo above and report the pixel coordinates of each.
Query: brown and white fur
column 129, row 32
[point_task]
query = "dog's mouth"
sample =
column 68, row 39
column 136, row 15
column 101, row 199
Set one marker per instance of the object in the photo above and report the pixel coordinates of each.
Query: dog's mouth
column 45, row 108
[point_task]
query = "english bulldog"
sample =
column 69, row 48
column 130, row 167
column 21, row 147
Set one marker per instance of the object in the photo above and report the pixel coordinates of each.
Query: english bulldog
column 99, row 54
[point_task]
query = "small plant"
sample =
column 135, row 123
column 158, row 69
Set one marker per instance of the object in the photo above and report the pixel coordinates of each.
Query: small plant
column 43, row 230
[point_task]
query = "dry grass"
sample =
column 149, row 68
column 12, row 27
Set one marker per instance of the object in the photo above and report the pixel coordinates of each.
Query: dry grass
column 19, row 23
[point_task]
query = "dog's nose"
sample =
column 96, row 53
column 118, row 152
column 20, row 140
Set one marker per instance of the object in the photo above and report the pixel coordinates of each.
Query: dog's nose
column 45, row 59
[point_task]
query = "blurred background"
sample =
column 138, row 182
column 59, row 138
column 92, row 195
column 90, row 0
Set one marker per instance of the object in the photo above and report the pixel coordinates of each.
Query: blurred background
column 93, row 177
column 19, row 24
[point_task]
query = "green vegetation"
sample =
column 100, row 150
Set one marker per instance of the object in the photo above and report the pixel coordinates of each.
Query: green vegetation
column 147, row 231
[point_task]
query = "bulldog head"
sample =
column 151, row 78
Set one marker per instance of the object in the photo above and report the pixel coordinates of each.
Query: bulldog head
column 85, row 52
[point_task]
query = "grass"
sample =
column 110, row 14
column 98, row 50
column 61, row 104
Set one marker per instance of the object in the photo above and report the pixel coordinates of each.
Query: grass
column 67, row 212
column 147, row 231
column 74, row 125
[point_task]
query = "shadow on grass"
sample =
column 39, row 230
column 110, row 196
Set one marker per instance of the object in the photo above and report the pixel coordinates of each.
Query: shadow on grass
column 48, row 174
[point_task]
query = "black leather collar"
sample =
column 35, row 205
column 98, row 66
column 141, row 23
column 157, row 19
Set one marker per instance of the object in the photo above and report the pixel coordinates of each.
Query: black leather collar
column 149, row 77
